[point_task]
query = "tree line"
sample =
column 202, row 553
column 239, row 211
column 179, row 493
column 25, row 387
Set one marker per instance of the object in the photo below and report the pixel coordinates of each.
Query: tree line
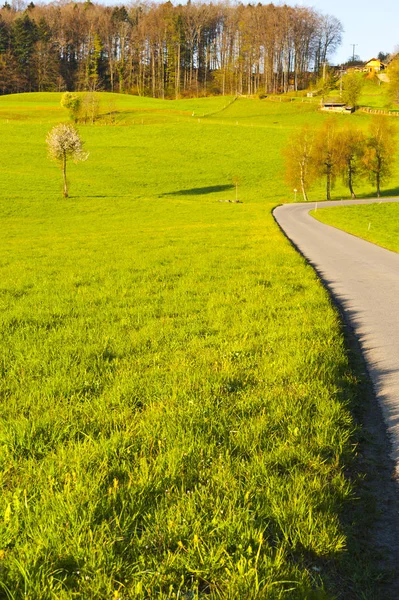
column 161, row 50
column 348, row 152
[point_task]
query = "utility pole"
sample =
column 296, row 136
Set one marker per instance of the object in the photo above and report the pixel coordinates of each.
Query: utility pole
column 353, row 54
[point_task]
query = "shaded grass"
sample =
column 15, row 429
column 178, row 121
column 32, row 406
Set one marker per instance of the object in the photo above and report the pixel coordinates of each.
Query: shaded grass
column 175, row 391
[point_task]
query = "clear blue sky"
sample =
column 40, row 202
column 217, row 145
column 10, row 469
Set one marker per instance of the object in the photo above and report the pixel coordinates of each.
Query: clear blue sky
column 374, row 26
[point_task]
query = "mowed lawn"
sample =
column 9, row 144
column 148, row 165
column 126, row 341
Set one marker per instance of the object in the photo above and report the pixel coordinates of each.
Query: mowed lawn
column 175, row 391
column 377, row 223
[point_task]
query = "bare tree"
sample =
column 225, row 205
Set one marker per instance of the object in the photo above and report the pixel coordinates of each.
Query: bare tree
column 299, row 160
column 63, row 143
column 379, row 154
column 329, row 38
column 90, row 107
column 164, row 50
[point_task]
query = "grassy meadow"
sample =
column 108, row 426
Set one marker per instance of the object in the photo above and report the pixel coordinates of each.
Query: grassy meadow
column 176, row 414
column 375, row 95
column 377, row 223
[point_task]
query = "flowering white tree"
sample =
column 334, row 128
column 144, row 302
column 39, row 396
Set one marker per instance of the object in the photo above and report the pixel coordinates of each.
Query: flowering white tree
column 63, row 142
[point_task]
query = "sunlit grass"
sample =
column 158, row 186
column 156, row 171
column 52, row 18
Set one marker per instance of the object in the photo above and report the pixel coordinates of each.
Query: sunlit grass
column 377, row 223
column 175, row 416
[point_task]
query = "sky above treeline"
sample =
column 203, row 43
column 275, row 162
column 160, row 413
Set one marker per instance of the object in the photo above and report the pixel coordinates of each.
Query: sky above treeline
column 373, row 26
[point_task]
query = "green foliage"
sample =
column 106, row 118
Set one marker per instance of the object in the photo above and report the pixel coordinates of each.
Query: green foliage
column 176, row 391
column 352, row 88
column 93, row 63
column 327, row 82
column 393, row 74
column 83, row 108
column 299, row 160
column 4, row 36
column 379, row 155
column 327, row 153
column 352, row 149
column 72, row 102
column 333, row 150
column 25, row 35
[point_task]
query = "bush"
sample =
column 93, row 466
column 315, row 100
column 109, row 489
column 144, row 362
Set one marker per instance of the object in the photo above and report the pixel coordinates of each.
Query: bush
column 72, row 102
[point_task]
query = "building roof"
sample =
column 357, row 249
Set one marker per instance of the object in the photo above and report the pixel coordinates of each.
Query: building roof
column 374, row 62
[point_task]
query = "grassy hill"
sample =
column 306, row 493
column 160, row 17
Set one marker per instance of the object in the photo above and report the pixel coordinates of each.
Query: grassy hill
column 176, row 416
column 158, row 147
column 375, row 95
column 377, row 223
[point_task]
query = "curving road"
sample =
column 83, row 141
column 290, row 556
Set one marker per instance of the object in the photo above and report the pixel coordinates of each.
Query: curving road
column 364, row 279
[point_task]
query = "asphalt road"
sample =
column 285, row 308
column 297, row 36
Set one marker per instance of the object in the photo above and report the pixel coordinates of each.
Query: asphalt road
column 364, row 280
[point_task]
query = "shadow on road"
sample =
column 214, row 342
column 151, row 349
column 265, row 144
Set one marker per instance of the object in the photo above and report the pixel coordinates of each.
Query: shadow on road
column 371, row 522
column 377, row 482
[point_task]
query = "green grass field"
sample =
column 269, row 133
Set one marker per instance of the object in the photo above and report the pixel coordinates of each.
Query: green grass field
column 377, row 223
column 375, row 95
column 176, row 415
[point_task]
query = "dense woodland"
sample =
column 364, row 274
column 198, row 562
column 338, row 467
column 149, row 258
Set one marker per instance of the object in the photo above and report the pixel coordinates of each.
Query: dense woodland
column 162, row 50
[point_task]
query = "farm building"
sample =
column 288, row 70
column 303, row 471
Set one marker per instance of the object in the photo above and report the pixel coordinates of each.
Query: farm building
column 340, row 107
column 375, row 66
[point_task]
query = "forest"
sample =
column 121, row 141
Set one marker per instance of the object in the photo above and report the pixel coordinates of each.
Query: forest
column 163, row 50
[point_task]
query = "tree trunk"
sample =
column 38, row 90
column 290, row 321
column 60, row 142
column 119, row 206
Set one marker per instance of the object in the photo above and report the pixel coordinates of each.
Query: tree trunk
column 378, row 177
column 64, row 162
column 350, row 182
column 177, row 82
column 304, row 194
column 328, row 182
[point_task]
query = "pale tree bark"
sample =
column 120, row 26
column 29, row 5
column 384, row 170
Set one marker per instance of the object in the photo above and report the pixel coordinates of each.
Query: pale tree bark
column 64, row 174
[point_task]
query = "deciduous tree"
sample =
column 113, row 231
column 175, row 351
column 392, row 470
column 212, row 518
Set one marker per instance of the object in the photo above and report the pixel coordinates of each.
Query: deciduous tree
column 327, row 156
column 352, row 142
column 161, row 49
column 72, row 102
column 299, row 160
column 393, row 74
column 379, row 154
column 64, row 143
column 352, row 88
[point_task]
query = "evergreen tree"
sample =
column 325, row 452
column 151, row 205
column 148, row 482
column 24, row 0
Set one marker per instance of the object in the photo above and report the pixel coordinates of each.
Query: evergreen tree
column 24, row 38
column 4, row 36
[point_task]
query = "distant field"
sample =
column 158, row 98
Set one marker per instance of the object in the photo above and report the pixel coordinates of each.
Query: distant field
column 158, row 147
column 176, row 395
column 377, row 223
